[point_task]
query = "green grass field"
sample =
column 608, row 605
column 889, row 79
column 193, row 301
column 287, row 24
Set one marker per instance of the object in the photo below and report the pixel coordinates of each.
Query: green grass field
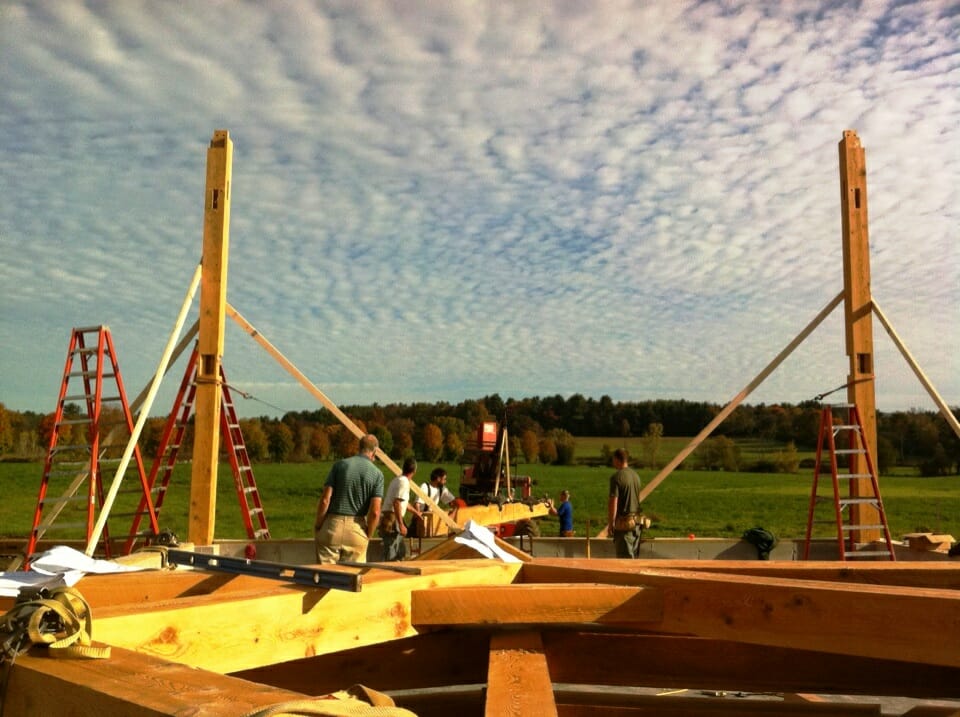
column 706, row 504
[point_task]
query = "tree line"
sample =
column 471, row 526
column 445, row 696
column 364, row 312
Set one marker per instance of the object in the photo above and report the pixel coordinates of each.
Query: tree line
column 542, row 429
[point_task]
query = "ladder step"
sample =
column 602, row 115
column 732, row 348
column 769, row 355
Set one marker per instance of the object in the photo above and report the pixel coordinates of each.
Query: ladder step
column 858, row 501
column 852, row 528
column 849, row 451
column 868, row 553
column 846, row 427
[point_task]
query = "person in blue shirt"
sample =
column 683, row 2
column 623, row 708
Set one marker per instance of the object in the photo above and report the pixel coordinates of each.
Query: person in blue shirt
column 565, row 513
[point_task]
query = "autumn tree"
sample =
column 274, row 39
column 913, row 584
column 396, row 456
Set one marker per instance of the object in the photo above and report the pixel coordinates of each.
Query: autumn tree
column 530, row 445
column 254, row 438
column 548, row 451
column 432, row 442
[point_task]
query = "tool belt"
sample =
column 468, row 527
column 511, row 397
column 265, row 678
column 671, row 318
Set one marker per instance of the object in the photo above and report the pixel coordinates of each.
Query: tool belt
column 388, row 523
column 629, row 521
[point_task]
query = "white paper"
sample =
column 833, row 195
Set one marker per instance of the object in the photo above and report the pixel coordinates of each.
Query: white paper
column 481, row 539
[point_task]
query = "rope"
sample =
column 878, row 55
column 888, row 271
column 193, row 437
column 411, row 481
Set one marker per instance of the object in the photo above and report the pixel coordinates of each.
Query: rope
column 820, row 396
column 251, row 397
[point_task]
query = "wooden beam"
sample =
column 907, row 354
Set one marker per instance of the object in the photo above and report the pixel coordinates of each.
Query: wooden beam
column 921, row 376
column 421, row 662
column 554, row 604
column 213, row 300
column 737, row 400
column 580, row 703
column 129, row 684
column 912, row 624
column 919, row 574
column 518, row 680
column 672, row 661
column 858, row 319
column 265, row 626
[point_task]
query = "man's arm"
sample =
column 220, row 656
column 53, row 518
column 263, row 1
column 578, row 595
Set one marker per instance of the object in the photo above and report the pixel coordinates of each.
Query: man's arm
column 397, row 506
column 373, row 516
column 323, row 506
column 611, row 513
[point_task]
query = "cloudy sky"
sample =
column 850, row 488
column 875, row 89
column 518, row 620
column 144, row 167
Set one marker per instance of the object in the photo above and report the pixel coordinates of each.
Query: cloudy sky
column 439, row 201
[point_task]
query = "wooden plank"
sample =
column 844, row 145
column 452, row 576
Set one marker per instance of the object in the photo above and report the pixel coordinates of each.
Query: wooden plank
column 213, row 299
column 438, row 659
column 576, row 703
column 672, row 661
column 244, row 630
column 911, row 624
column 858, row 320
column 555, row 604
column 518, row 680
column 129, row 684
column 930, row 574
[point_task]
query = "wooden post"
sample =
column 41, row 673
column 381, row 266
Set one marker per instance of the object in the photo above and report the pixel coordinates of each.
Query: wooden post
column 858, row 319
column 213, row 300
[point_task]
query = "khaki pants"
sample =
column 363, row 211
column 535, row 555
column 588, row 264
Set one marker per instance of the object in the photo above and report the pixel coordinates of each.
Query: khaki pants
column 342, row 537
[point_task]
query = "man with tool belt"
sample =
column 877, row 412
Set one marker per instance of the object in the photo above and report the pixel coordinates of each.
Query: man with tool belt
column 349, row 509
column 623, row 507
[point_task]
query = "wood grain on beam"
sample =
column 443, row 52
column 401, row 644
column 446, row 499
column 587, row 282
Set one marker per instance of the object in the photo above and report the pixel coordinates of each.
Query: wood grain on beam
column 438, row 659
column 247, row 630
column 928, row 574
column 536, row 605
column 571, row 703
column 129, row 684
column 680, row 662
column 518, row 681
column 912, row 624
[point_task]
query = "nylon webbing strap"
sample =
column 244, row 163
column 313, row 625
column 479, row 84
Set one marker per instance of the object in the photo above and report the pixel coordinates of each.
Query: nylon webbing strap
column 58, row 618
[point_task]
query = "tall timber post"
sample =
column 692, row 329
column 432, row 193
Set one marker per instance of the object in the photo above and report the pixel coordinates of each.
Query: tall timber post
column 858, row 318
column 213, row 300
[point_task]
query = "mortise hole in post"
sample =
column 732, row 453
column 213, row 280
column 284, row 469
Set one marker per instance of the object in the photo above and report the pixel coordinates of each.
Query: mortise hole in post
column 856, row 198
column 864, row 363
column 209, row 363
column 215, row 199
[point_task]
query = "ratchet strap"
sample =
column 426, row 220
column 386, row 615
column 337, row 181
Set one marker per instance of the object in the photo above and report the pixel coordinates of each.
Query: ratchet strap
column 58, row 618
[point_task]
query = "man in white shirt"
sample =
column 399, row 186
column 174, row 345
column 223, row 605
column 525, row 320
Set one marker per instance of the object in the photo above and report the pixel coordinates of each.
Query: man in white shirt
column 392, row 529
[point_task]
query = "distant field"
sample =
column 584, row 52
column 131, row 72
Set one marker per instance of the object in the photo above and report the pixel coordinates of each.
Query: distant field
column 716, row 504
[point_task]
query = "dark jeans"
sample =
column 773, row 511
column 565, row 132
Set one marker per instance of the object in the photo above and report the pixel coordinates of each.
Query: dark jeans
column 626, row 543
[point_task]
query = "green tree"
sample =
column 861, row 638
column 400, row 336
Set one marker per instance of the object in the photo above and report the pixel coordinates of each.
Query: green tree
column 452, row 447
column 280, row 441
column 384, row 437
column 566, row 446
column 787, row 460
column 650, row 444
column 6, row 430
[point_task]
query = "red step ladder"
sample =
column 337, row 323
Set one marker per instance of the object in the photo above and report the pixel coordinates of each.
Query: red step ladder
column 71, row 462
column 171, row 438
column 843, row 500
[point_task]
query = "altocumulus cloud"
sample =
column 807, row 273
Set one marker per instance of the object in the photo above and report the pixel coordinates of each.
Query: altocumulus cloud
column 436, row 201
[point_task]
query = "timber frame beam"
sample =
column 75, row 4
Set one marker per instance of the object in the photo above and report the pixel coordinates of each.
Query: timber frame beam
column 505, row 636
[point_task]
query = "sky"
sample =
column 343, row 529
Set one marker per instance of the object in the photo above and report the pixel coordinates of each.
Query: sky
column 442, row 201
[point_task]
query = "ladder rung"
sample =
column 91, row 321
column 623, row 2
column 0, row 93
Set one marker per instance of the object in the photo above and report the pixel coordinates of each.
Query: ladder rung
column 74, row 421
column 65, row 499
column 59, row 525
column 849, row 451
column 255, row 511
column 853, row 475
column 261, row 534
column 867, row 553
column 858, row 501
column 846, row 427
column 851, row 528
